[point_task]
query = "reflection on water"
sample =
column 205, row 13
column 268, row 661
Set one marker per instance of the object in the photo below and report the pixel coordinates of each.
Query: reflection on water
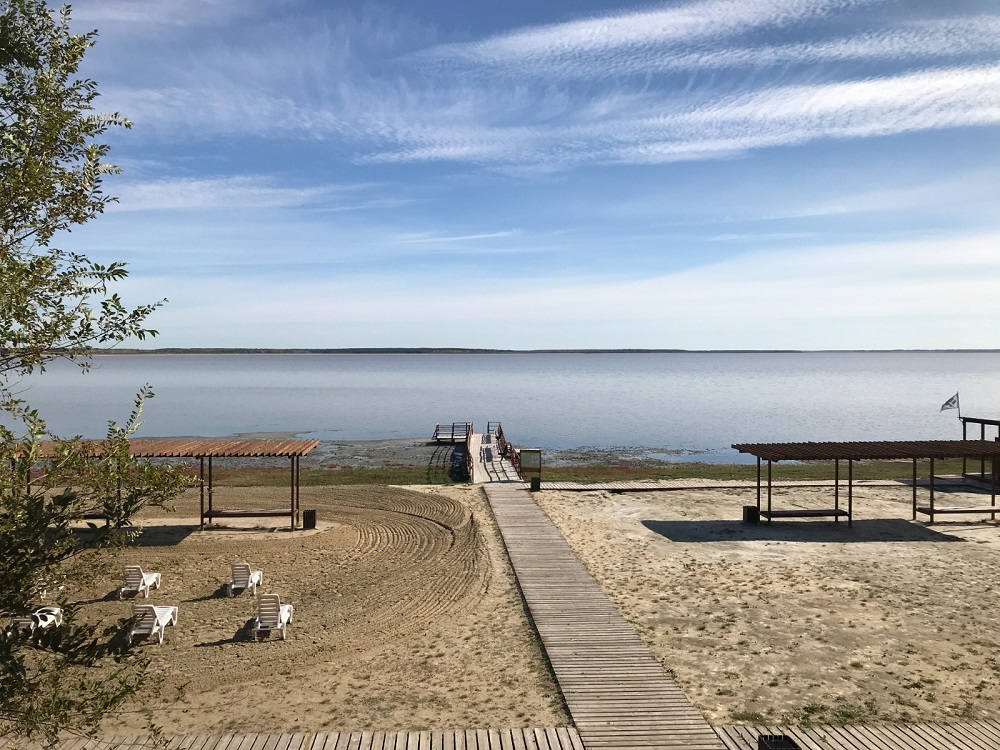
column 673, row 406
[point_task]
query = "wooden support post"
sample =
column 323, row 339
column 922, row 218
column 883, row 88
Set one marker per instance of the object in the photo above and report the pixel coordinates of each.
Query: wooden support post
column 932, row 491
column 993, row 484
column 769, row 491
column 982, row 459
column 201, row 488
column 758, row 486
column 850, row 492
column 291, row 509
column 210, row 490
column 964, row 437
column 914, row 489
column 836, row 488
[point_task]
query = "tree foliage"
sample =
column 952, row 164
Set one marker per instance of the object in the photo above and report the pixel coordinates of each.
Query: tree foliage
column 58, row 304
column 54, row 302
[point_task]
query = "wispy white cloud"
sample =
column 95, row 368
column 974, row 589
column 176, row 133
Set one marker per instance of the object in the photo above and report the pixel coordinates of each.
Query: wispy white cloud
column 651, row 130
column 919, row 40
column 553, row 97
column 238, row 193
column 625, row 32
column 434, row 239
column 147, row 13
column 799, row 114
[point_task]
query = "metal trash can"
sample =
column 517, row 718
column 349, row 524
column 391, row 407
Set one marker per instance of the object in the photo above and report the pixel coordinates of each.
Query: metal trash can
column 309, row 519
column 776, row 741
column 536, row 484
column 751, row 514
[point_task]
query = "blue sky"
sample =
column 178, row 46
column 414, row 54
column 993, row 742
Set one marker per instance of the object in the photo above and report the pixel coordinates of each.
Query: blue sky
column 715, row 174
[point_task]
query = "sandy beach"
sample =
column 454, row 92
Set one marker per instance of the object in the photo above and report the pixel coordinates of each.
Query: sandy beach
column 407, row 615
column 804, row 621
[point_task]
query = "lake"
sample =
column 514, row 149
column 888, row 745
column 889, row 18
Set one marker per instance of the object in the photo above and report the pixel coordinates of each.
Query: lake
column 679, row 406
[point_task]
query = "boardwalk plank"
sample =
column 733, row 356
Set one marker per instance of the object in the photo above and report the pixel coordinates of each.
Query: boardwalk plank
column 617, row 693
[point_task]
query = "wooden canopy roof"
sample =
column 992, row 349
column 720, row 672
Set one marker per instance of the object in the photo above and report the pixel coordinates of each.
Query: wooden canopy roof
column 203, row 447
column 214, row 448
column 871, row 450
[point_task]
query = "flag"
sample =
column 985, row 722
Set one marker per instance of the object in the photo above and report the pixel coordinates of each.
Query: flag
column 951, row 403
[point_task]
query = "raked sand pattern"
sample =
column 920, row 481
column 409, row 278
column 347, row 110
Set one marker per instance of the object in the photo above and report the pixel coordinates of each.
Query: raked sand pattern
column 406, row 617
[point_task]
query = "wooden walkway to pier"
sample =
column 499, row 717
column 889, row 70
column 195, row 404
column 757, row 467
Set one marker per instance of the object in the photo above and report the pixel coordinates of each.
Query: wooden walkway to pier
column 487, row 465
column 559, row 738
column 619, row 696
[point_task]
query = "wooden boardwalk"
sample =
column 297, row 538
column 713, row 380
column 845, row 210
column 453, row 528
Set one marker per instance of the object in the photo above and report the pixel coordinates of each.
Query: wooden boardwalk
column 619, row 696
column 559, row 738
column 487, row 465
column 971, row 735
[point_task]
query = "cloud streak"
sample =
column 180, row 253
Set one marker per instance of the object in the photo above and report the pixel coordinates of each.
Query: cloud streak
column 238, row 193
column 658, row 85
column 627, row 32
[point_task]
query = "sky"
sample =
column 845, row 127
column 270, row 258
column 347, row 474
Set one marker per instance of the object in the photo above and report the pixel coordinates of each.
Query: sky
column 706, row 174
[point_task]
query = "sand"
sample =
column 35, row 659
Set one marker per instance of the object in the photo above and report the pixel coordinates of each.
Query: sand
column 406, row 617
column 803, row 621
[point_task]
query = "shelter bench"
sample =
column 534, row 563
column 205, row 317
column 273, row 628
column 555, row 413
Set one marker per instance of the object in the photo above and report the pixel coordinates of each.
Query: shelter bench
column 805, row 513
column 932, row 510
column 248, row 513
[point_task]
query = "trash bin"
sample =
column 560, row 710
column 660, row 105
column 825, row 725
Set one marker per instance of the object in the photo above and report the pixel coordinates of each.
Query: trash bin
column 776, row 741
column 309, row 519
column 536, row 484
column 751, row 514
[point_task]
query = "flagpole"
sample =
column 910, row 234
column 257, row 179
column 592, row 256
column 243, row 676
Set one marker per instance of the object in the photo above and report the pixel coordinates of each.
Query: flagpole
column 958, row 404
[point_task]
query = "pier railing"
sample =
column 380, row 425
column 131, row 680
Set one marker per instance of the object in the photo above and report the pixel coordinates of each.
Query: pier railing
column 503, row 447
column 469, row 461
column 452, row 433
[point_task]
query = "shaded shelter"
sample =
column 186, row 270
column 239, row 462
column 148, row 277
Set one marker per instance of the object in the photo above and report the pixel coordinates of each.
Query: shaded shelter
column 211, row 448
column 913, row 450
column 983, row 424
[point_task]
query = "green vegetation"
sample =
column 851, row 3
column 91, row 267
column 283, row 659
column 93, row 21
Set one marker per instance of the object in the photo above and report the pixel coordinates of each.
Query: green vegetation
column 56, row 304
column 780, row 471
column 279, row 477
column 590, row 473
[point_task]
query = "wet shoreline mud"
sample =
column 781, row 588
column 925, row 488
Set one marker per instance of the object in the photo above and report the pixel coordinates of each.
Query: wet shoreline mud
column 417, row 451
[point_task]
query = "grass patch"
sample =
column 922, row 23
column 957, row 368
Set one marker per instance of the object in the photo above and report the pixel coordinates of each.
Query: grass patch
column 591, row 473
column 280, row 477
column 780, row 471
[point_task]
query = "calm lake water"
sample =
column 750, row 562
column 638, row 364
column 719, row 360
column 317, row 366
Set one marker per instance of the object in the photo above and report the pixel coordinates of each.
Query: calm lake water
column 690, row 406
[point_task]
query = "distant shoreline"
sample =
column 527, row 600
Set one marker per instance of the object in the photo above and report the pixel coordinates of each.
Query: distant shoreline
column 458, row 350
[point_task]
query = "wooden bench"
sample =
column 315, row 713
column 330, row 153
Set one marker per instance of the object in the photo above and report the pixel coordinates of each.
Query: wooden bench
column 932, row 510
column 248, row 513
column 806, row 513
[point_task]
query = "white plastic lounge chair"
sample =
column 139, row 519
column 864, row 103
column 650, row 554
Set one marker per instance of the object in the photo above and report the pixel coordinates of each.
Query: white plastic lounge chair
column 272, row 615
column 244, row 578
column 43, row 617
column 137, row 581
column 151, row 620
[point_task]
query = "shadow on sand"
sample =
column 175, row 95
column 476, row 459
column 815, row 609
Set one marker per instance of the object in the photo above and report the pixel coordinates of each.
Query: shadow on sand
column 867, row 530
column 243, row 634
column 164, row 535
